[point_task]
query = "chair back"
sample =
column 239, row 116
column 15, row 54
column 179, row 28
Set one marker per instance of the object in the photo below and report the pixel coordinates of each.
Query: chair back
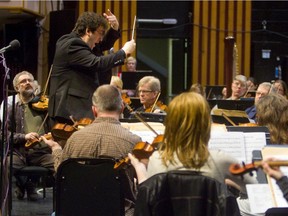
column 88, row 187
column 181, row 193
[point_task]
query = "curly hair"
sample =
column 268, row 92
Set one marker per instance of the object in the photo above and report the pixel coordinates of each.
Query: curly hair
column 272, row 112
column 89, row 20
column 187, row 131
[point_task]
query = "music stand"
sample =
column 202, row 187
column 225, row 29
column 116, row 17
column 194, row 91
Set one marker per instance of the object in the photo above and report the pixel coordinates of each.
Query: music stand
column 131, row 79
column 234, row 104
column 214, row 91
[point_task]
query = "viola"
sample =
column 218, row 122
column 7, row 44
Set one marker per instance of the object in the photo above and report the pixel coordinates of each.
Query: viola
column 35, row 141
column 142, row 150
column 237, row 169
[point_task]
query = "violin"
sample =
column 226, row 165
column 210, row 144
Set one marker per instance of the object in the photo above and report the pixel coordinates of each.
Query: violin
column 42, row 103
column 126, row 99
column 33, row 142
column 142, row 150
column 62, row 131
column 250, row 124
column 237, row 169
column 159, row 104
column 83, row 123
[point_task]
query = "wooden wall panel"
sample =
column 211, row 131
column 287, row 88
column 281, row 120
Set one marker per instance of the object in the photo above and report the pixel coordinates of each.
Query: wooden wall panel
column 213, row 21
column 125, row 11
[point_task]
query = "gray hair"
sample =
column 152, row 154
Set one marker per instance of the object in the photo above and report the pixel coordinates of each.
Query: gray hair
column 266, row 85
column 152, row 81
column 16, row 78
column 107, row 98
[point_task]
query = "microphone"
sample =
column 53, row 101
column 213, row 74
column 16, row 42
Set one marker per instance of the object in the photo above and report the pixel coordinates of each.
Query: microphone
column 160, row 21
column 15, row 44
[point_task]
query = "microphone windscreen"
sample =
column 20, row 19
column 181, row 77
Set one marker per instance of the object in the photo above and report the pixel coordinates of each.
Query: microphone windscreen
column 15, row 44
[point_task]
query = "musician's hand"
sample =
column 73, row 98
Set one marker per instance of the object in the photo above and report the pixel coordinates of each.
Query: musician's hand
column 112, row 20
column 140, row 168
column 129, row 47
column 51, row 143
column 273, row 172
column 31, row 136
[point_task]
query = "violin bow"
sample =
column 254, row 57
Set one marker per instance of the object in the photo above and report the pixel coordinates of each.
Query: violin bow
column 133, row 30
column 139, row 116
column 245, row 95
column 42, row 124
column 155, row 102
column 209, row 93
column 48, row 78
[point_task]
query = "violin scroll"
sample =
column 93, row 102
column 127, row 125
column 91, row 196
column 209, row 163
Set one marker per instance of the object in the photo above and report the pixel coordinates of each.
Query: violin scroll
column 237, row 169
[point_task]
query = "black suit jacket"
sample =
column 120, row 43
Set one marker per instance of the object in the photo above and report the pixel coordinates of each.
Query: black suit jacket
column 74, row 77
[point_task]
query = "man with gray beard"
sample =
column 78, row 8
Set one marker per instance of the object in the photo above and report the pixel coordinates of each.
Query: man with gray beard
column 29, row 125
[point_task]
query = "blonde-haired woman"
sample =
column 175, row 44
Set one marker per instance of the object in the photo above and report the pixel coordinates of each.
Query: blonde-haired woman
column 185, row 147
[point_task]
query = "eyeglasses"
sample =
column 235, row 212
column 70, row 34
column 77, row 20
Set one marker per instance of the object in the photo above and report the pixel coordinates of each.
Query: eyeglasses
column 239, row 84
column 145, row 91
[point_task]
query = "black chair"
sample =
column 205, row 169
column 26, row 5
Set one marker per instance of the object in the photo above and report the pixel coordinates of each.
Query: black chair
column 88, row 187
column 181, row 193
column 277, row 212
column 36, row 171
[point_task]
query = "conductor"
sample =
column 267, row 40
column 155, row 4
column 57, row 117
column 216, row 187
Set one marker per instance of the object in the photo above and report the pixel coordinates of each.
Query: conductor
column 74, row 76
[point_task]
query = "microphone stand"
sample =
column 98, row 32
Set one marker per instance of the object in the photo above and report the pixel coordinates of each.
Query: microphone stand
column 6, row 145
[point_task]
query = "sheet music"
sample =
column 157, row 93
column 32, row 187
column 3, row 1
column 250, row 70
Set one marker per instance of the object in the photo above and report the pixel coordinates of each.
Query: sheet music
column 253, row 141
column 280, row 201
column 146, row 136
column 238, row 144
column 265, row 196
column 260, row 198
column 230, row 142
column 143, row 131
